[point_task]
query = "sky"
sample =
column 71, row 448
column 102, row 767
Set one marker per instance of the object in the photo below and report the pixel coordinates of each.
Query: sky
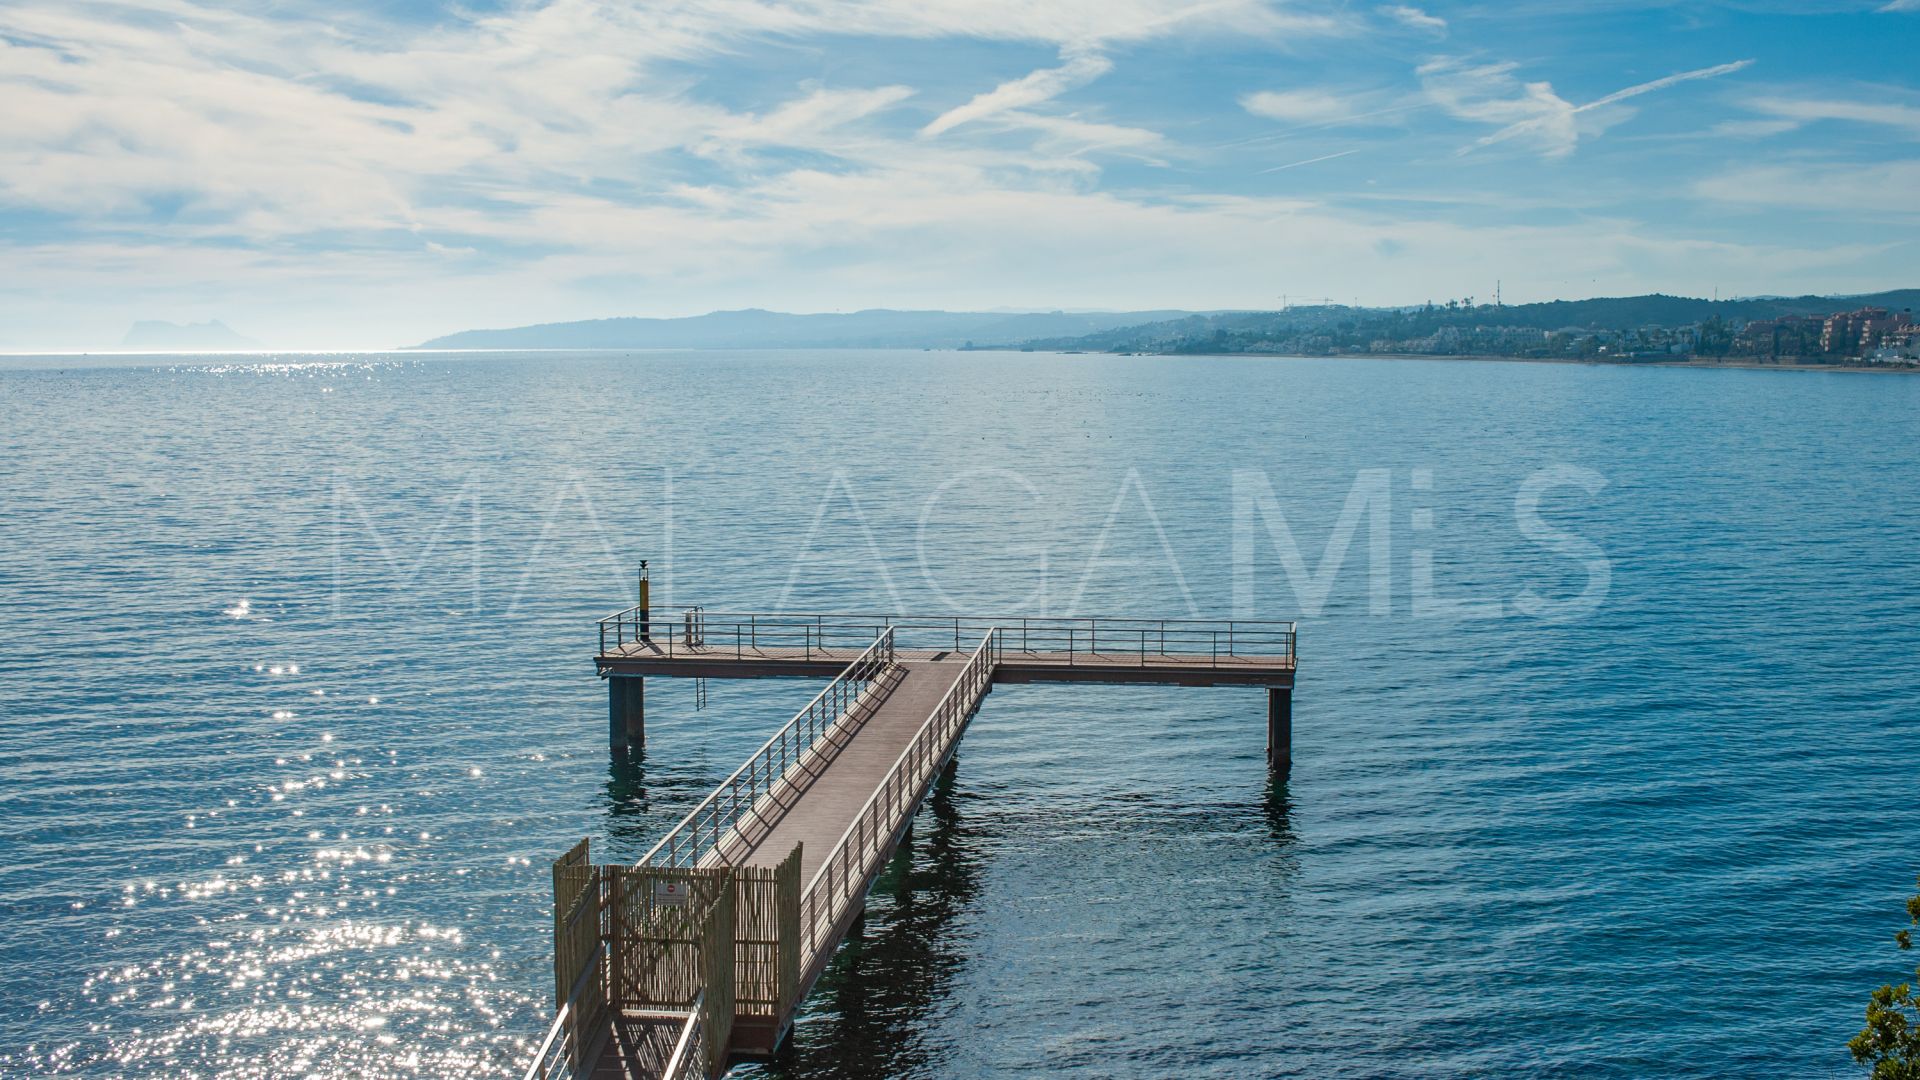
column 371, row 173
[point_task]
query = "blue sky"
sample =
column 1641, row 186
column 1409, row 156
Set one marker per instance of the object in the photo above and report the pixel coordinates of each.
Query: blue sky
column 363, row 175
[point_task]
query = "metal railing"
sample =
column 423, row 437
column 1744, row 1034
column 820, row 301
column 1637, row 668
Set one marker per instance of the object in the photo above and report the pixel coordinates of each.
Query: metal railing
column 849, row 868
column 704, row 828
column 1088, row 640
column 555, row 1058
column 551, row 1062
column 688, row 1061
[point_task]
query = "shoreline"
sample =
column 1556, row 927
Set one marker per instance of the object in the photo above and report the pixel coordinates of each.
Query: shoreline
column 1695, row 363
column 1691, row 362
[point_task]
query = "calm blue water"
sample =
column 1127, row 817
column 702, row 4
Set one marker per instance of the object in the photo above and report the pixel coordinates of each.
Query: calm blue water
column 296, row 705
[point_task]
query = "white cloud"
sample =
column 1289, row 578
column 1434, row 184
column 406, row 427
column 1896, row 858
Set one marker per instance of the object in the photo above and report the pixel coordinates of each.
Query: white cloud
column 1068, row 23
column 1753, row 129
column 1902, row 5
column 266, row 127
column 803, row 121
column 1851, row 189
column 1072, row 136
column 1079, row 69
column 1301, row 106
column 1309, row 161
column 1533, row 112
column 1904, row 118
column 1415, row 18
column 1489, row 94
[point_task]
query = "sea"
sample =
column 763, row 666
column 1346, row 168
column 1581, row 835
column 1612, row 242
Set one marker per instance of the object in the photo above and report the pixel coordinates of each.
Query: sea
column 1606, row 753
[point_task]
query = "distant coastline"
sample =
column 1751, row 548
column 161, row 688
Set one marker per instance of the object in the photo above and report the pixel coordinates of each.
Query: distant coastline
column 1690, row 362
column 1875, row 331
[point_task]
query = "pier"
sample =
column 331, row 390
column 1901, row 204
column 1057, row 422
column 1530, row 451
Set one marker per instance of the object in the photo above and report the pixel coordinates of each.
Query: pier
column 698, row 955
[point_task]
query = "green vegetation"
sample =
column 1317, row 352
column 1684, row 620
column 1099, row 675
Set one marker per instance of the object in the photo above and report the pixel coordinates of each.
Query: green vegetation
column 1891, row 1040
column 1646, row 328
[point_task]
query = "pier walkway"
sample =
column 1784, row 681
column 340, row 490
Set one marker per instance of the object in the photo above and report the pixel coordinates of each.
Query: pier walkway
column 699, row 954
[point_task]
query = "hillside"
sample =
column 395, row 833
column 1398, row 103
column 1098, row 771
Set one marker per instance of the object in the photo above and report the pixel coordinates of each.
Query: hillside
column 1338, row 328
column 171, row 337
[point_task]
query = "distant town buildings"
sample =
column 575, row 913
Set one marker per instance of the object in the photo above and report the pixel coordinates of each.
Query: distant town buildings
column 1857, row 333
column 1898, row 345
column 1788, row 336
column 1870, row 335
column 1596, row 330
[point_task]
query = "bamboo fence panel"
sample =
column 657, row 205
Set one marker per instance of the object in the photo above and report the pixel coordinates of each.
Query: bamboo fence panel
column 662, row 935
column 767, row 937
column 577, row 958
column 714, row 1006
column 713, row 943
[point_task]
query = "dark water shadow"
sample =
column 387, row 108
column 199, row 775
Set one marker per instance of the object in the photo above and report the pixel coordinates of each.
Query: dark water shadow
column 865, row 1016
column 630, row 824
column 1277, row 803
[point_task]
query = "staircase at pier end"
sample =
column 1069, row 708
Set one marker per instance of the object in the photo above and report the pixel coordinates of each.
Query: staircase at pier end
column 699, row 954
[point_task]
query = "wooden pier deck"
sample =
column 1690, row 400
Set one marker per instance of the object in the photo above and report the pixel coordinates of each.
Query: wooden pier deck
column 700, row 954
column 814, row 808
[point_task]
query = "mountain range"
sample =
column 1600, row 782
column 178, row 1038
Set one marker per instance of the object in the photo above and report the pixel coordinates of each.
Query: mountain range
column 1117, row 330
column 757, row 329
column 173, row 337
column 1308, row 327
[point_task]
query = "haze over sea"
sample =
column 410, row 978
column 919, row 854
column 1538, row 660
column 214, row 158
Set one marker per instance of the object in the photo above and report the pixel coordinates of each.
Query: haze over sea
column 296, row 705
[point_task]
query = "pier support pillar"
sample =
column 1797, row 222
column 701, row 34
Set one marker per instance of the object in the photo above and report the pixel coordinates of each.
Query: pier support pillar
column 1280, row 729
column 626, row 712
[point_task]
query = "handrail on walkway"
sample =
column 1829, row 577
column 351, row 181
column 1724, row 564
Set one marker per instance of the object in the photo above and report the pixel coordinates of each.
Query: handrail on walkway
column 722, row 633
column 844, row 876
column 700, row 833
column 688, row 1051
column 551, row 1061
